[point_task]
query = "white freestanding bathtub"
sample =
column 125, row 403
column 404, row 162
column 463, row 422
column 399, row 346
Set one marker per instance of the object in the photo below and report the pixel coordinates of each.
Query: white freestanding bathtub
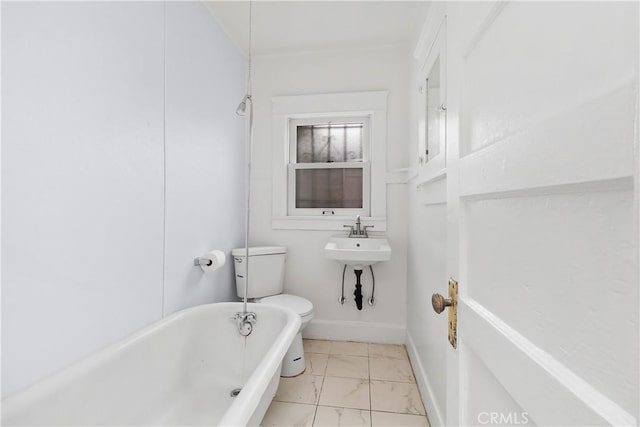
column 179, row 371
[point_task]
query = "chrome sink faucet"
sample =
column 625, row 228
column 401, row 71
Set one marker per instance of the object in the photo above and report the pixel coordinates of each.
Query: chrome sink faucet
column 358, row 230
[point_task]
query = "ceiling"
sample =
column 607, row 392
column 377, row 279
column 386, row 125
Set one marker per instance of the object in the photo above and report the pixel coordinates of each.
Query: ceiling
column 295, row 26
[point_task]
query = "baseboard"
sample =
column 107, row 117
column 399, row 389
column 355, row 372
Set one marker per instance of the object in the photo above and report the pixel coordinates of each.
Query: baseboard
column 344, row 330
column 426, row 391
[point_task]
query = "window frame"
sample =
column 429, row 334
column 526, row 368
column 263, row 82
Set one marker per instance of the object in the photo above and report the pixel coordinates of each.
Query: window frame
column 293, row 166
column 372, row 104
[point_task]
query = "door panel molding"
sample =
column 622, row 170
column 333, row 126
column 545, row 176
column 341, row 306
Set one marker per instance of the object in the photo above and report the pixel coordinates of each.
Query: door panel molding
column 492, row 13
column 557, row 397
column 544, row 155
column 434, row 192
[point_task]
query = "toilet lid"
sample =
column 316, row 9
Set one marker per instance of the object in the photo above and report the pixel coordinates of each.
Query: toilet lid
column 300, row 305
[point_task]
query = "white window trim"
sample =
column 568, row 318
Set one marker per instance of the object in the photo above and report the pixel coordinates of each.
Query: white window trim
column 364, row 165
column 353, row 104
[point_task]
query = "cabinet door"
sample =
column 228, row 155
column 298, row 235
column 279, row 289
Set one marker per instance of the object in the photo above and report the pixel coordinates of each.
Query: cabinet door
column 432, row 108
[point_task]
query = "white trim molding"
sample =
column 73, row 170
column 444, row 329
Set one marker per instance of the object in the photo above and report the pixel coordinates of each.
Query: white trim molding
column 398, row 176
column 483, row 26
column 285, row 108
column 426, row 391
column 345, row 330
column 430, row 28
column 326, row 223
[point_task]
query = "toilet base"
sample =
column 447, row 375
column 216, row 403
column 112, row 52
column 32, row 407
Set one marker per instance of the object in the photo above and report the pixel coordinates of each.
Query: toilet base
column 293, row 363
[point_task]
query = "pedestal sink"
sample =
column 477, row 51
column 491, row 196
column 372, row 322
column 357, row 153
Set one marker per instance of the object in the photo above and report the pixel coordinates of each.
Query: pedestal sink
column 358, row 252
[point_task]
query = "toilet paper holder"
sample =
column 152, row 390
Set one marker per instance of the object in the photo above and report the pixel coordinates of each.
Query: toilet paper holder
column 210, row 261
column 197, row 261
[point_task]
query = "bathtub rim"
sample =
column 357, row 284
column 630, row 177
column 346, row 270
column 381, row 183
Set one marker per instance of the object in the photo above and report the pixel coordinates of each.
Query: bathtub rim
column 237, row 414
column 21, row 399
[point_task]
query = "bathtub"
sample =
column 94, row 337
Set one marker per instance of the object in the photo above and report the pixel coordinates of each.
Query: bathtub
column 179, row 371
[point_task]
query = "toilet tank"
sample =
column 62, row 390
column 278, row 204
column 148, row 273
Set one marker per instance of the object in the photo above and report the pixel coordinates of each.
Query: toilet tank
column 266, row 270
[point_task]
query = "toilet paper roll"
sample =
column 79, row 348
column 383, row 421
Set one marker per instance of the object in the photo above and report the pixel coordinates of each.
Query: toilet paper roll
column 212, row 260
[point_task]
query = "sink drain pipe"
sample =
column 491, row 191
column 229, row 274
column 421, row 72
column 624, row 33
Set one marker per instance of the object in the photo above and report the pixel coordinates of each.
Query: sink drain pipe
column 371, row 300
column 373, row 289
column 342, row 299
column 358, row 292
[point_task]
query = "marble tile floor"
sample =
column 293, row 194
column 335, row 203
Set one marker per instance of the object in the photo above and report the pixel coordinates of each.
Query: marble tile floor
column 349, row 384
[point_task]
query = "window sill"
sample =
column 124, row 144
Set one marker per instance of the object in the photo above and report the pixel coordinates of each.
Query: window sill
column 325, row 223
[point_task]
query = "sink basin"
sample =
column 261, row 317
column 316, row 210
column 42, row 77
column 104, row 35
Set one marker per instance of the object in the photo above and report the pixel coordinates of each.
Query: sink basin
column 358, row 251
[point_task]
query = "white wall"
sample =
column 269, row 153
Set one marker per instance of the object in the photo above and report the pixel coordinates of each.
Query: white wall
column 308, row 273
column 426, row 255
column 426, row 275
column 205, row 155
column 83, row 172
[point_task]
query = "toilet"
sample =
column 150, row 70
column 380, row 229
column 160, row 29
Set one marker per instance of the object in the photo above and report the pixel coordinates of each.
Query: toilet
column 266, row 283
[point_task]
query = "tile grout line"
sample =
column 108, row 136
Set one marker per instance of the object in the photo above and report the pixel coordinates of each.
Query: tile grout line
column 386, row 411
column 324, row 377
column 369, row 357
column 315, row 414
column 324, row 373
column 369, row 369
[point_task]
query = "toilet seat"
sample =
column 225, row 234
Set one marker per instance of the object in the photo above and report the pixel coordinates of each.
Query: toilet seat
column 300, row 305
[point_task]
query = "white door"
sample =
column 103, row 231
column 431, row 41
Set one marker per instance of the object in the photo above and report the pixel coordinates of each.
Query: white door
column 543, row 213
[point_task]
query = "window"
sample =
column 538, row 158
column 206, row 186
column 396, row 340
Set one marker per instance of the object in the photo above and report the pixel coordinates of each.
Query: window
column 329, row 160
column 329, row 166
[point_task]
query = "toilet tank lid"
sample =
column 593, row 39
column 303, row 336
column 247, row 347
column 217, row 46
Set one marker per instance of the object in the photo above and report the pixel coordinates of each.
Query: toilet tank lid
column 300, row 305
column 259, row 250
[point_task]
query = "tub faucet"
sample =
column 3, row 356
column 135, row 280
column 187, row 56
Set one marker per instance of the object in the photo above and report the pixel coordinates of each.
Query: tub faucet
column 245, row 322
column 358, row 230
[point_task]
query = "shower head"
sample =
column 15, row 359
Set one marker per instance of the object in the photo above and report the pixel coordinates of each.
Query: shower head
column 242, row 107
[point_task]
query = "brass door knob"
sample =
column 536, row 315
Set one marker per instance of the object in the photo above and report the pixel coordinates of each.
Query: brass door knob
column 439, row 303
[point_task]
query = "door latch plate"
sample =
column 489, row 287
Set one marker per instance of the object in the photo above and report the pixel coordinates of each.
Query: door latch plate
column 453, row 313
